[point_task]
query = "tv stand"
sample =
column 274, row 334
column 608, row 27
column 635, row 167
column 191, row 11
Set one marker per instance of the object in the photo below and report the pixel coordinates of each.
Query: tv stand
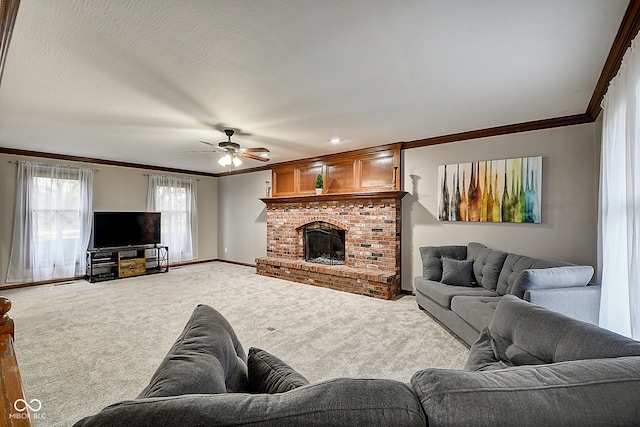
column 126, row 261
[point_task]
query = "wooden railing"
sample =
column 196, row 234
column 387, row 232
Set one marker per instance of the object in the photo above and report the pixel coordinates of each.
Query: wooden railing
column 14, row 407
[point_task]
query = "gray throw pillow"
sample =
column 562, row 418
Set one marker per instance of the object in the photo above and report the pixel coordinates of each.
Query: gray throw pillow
column 457, row 272
column 482, row 355
column 268, row 374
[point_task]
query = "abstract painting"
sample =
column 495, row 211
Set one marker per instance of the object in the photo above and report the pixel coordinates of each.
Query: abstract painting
column 507, row 190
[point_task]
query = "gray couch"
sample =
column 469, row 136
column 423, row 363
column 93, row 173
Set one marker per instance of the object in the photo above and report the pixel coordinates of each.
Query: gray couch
column 461, row 286
column 530, row 367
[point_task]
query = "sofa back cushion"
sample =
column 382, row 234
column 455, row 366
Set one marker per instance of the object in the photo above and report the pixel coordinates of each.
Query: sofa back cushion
column 523, row 333
column 432, row 259
column 514, row 264
column 487, row 264
column 206, row 358
column 599, row 392
column 337, row 402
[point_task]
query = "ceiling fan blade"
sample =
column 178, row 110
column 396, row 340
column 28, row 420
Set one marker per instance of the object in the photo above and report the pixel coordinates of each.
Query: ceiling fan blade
column 195, row 151
column 255, row 150
column 251, row 156
column 208, row 143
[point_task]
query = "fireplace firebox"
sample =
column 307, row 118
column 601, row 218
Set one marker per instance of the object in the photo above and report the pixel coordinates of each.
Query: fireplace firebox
column 324, row 244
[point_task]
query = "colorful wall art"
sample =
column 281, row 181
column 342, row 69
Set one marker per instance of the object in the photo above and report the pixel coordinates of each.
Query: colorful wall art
column 507, row 190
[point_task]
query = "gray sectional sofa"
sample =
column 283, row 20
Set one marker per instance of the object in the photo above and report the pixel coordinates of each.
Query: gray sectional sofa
column 530, row 367
column 461, row 286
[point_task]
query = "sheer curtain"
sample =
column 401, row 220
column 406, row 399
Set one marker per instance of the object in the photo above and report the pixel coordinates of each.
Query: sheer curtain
column 620, row 200
column 52, row 222
column 175, row 199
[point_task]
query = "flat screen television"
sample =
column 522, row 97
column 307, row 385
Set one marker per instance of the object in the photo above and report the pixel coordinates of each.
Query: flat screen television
column 118, row 229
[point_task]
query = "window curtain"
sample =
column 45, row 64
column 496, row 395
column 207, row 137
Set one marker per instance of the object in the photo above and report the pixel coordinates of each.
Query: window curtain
column 52, row 222
column 175, row 199
column 620, row 200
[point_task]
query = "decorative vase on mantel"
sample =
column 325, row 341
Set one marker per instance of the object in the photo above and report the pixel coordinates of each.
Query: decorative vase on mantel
column 319, row 184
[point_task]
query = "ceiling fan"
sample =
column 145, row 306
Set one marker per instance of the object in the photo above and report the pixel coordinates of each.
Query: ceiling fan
column 233, row 152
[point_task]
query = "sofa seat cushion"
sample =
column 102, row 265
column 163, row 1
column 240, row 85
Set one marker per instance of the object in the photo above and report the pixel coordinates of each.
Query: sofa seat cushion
column 442, row 294
column 476, row 311
column 338, row 402
column 206, row 358
column 593, row 392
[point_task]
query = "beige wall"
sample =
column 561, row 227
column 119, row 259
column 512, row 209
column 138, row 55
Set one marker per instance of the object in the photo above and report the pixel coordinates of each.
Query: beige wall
column 232, row 219
column 569, row 198
column 242, row 230
column 114, row 188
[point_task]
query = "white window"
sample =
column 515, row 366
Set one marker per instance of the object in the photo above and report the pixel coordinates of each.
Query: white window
column 175, row 199
column 52, row 223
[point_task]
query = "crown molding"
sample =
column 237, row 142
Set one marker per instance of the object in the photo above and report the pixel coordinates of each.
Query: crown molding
column 69, row 158
column 626, row 33
column 555, row 122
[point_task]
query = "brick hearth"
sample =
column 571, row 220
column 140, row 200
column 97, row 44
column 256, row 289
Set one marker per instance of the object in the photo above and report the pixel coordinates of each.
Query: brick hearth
column 372, row 241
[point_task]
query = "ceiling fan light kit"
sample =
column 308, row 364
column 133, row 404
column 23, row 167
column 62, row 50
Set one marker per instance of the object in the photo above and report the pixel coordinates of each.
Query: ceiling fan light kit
column 225, row 160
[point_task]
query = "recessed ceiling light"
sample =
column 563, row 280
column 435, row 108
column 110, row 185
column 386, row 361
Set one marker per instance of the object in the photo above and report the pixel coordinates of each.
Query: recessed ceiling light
column 335, row 140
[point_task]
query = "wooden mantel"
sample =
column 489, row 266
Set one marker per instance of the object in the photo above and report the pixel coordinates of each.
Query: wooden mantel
column 373, row 195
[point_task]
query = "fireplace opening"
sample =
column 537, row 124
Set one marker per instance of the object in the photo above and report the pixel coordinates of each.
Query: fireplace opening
column 324, row 244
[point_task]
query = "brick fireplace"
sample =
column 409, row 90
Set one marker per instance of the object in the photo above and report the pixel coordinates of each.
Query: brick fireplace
column 371, row 226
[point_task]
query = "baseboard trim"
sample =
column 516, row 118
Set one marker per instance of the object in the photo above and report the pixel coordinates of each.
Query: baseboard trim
column 182, row 264
column 68, row 279
column 228, row 261
column 45, row 282
column 199, row 261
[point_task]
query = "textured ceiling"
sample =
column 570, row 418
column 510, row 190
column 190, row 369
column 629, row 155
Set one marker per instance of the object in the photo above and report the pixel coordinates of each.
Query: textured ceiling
column 142, row 81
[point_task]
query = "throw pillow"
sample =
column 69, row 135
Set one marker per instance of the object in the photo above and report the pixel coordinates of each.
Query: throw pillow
column 457, row 272
column 482, row 356
column 268, row 374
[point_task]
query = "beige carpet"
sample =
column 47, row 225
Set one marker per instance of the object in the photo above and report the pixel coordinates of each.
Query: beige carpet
column 83, row 346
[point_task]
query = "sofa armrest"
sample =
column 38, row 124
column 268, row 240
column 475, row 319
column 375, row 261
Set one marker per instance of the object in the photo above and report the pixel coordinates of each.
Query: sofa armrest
column 550, row 278
column 580, row 302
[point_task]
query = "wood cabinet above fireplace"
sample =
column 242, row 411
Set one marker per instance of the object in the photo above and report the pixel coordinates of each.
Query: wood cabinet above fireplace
column 362, row 171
